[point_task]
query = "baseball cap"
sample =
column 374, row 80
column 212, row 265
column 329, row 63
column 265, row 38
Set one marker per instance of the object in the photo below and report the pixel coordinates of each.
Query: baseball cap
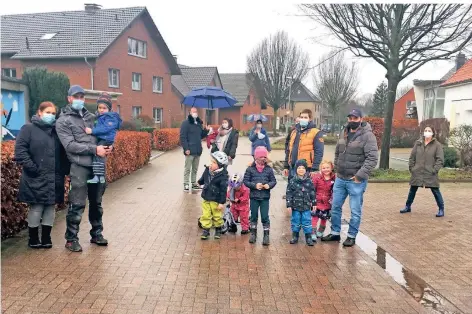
column 356, row 113
column 75, row 89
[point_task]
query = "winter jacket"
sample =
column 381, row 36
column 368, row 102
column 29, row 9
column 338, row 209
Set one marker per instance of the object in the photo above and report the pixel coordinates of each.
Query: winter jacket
column 305, row 144
column 211, row 138
column 191, row 135
column 358, row 156
column 252, row 177
column 242, row 195
column 70, row 127
column 44, row 162
column 214, row 186
column 300, row 194
column 231, row 144
column 425, row 163
column 106, row 126
column 256, row 142
column 323, row 190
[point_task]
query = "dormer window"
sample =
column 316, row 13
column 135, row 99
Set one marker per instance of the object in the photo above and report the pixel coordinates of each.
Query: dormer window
column 48, row 36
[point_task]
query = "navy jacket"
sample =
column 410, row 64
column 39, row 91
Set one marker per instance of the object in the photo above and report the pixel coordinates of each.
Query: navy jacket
column 301, row 193
column 106, row 126
column 214, row 187
column 252, row 177
column 191, row 135
column 256, row 142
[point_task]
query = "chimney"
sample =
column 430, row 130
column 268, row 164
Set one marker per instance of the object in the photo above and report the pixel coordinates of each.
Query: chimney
column 175, row 58
column 92, row 7
column 460, row 61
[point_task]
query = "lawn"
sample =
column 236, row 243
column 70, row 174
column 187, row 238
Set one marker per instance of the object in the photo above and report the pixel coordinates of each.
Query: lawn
column 403, row 175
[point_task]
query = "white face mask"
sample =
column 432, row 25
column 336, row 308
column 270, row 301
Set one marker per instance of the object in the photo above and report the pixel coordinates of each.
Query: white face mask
column 428, row 134
column 194, row 115
column 260, row 136
column 225, row 125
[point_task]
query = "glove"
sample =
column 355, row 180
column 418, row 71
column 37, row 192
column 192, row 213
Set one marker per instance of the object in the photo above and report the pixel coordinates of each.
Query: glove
column 313, row 213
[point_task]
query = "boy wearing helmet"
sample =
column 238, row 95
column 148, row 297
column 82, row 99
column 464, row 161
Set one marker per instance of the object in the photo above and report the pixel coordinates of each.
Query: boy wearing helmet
column 238, row 195
column 215, row 185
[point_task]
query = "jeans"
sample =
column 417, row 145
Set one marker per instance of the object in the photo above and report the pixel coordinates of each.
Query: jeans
column 301, row 220
column 78, row 194
column 263, row 205
column 342, row 188
column 39, row 211
column 436, row 193
column 191, row 166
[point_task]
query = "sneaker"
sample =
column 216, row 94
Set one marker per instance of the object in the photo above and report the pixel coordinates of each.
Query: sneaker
column 102, row 180
column 319, row 234
column 217, row 233
column 205, row 235
column 94, row 180
column 73, row 246
column 196, row 187
column 331, row 238
column 314, row 236
column 349, row 242
column 405, row 210
column 186, row 187
column 99, row 240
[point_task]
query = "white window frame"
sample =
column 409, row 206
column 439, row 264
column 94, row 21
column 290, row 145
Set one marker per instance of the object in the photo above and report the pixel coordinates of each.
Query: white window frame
column 156, row 87
column 116, row 84
column 137, row 48
column 155, row 110
column 118, row 109
column 136, row 111
column 48, row 36
column 135, row 82
column 9, row 71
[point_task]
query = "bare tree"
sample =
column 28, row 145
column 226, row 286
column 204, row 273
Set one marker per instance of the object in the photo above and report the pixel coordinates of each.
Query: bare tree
column 400, row 37
column 274, row 65
column 335, row 82
column 402, row 91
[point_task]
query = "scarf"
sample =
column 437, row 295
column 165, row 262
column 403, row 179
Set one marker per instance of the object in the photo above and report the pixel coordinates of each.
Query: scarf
column 222, row 138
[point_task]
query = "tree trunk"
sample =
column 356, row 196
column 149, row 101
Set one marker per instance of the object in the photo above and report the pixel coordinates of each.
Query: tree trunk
column 385, row 147
column 274, row 121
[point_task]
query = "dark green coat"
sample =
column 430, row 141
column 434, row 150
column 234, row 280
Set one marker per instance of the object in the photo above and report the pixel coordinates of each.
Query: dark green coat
column 425, row 162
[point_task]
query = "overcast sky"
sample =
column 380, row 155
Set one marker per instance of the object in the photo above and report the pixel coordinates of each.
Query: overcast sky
column 223, row 33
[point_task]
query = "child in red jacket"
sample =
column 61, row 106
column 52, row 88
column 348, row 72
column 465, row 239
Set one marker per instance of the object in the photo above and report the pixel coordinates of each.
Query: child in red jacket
column 211, row 138
column 323, row 182
column 238, row 195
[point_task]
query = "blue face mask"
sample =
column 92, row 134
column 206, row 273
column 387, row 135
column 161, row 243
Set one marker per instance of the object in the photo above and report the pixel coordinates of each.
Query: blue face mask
column 48, row 118
column 77, row 104
column 303, row 123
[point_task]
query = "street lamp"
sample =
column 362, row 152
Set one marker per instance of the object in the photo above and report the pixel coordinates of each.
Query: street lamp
column 289, row 94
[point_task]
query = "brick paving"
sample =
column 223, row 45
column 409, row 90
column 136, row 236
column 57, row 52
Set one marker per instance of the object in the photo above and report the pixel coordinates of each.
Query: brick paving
column 156, row 262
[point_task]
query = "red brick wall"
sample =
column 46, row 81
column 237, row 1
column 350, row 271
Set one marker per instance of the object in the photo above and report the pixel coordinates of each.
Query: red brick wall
column 232, row 113
column 399, row 109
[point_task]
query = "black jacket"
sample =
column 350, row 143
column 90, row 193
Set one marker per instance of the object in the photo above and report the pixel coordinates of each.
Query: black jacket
column 191, row 135
column 44, row 162
column 231, row 144
column 301, row 194
column 215, row 187
column 252, row 177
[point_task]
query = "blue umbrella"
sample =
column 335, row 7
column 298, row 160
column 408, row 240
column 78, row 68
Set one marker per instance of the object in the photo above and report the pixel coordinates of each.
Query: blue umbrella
column 255, row 117
column 209, row 97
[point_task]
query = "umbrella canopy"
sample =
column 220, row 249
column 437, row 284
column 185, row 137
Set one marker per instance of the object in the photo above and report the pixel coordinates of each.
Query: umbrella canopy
column 255, row 117
column 209, row 97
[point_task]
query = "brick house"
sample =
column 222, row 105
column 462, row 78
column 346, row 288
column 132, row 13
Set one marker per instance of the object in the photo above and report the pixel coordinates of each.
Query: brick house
column 405, row 106
column 115, row 50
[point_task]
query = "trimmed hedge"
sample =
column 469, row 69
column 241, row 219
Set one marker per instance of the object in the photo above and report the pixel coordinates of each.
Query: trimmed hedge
column 166, row 139
column 404, row 132
column 132, row 150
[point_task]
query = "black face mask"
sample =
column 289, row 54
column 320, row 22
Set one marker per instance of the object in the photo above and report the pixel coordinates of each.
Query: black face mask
column 353, row 125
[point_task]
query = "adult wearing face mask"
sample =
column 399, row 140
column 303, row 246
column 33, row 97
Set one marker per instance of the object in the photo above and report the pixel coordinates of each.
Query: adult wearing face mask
column 426, row 159
column 258, row 137
column 81, row 148
column 304, row 142
column 191, row 134
column 355, row 157
column 39, row 152
column 227, row 140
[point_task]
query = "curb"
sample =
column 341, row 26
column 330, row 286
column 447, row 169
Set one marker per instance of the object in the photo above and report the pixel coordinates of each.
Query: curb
column 156, row 156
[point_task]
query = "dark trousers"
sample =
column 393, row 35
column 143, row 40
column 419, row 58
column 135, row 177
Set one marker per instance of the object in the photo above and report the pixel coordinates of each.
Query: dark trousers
column 263, row 206
column 78, row 194
column 99, row 163
column 436, row 193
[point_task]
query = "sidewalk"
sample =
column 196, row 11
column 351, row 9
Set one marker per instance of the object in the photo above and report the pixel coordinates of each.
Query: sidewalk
column 156, row 262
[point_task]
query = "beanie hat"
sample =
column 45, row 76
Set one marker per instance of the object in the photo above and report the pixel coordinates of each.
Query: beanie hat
column 301, row 163
column 260, row 152
column 105, row 98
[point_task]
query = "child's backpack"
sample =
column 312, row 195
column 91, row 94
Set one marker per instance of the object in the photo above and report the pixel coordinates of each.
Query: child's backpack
column 229, row 224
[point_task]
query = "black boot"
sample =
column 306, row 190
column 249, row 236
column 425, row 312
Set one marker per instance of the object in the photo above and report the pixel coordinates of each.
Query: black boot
column 309, row 240
column 406, row 209
column 440, row 212
column 46, row 242
column 295, row 236
column 265, row 240
column 33, row 241
column 331, row 238
column 253, row 236
column 218, row 233
column 205, row 234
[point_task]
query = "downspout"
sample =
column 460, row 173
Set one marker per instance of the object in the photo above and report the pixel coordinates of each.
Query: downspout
column 91, row 71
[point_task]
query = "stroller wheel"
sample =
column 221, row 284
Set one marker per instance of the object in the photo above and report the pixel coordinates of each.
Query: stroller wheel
column 199, row 223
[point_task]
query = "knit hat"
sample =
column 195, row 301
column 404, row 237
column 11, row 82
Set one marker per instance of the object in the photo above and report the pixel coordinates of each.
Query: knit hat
column 260, row 152
column 301, row 163
column 105, row 98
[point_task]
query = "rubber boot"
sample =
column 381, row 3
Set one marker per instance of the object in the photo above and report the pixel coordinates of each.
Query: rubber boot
column 46, row 242
column 205, row 234
column 295, row 236
column 218, row 233
column 266, row 240
column 33, row 241
column 253, row 236
column 406, row 209
column 440, row 213
column 309, row 240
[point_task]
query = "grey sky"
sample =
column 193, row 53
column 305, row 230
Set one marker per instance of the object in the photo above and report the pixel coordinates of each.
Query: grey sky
column 223, row 33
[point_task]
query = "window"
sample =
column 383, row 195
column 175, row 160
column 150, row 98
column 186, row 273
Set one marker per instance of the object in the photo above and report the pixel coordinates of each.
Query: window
column 118, row 109
column 137, row 48
column 9, row 72
column 113, row 78
column 245, row 119
column 157, row 84
column 248, row 99
column 136, row 81
column 137, row 111
column 157, row 115
column 433, row 103
column 48, row 36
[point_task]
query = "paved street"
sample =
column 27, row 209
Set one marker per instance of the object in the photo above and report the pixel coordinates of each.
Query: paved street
column 156, row 262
